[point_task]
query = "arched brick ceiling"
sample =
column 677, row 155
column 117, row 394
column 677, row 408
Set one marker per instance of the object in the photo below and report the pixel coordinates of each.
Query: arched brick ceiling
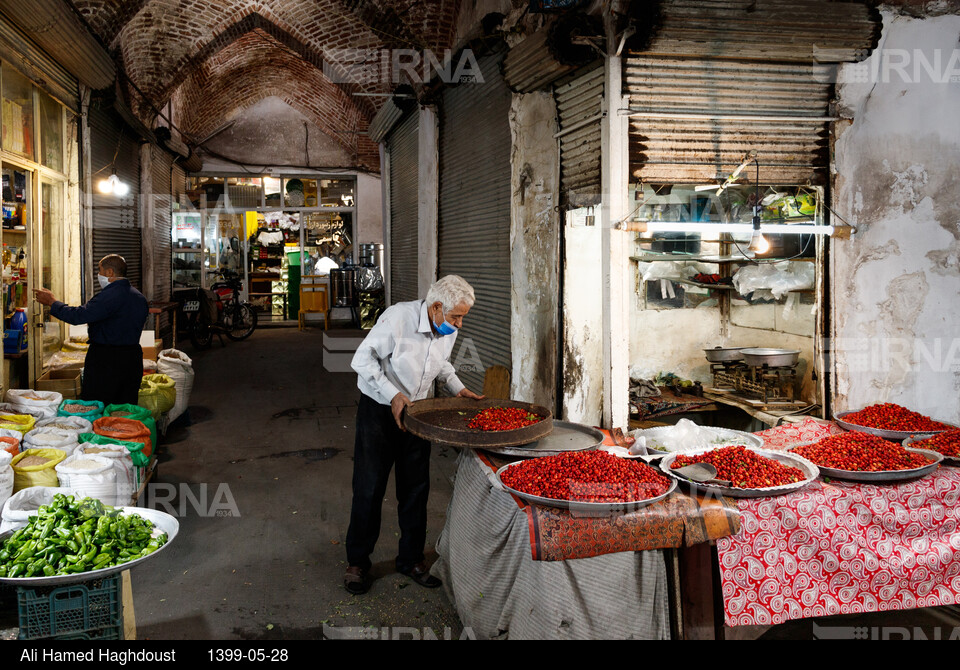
column 211, row 58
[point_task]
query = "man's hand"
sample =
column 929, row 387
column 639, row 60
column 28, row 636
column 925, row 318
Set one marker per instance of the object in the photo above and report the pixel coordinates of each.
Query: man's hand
column 467, row 393
column 44, row 296
column 397, row 405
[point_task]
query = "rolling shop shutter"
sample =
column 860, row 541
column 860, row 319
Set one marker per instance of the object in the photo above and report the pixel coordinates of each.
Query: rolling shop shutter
column 116, row 221
column 402, row 147
column 579, row 104
column 161, row 165
column 474, row 214
column 723, row 77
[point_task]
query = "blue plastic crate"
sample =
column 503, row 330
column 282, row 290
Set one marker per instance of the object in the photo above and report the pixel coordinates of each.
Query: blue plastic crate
column 93, row 609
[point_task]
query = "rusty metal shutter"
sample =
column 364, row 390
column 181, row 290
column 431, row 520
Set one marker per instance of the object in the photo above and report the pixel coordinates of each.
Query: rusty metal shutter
column 34, row 63
column 161, row 166
column 402, row 148
column 116, row 221
column 724, row 77
column 474, row 214
column 579, row 108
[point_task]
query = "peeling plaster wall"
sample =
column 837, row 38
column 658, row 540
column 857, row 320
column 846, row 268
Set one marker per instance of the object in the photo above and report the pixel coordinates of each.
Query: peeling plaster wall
column 534, row 248
column 582, row 401
column 896, row 284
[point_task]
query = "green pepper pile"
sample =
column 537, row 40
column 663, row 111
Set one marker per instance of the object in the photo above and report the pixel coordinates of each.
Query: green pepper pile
column 70, row 536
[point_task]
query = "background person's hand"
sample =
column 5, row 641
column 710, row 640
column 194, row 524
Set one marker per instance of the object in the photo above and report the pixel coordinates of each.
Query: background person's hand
column 44, row 296
column 467, row 393
column 397, row 405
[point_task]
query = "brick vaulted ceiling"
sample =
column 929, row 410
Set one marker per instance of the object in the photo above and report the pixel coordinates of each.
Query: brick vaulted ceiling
column 209, row 60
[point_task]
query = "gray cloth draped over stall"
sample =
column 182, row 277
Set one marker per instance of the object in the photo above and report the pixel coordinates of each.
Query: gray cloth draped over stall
column 499, row 591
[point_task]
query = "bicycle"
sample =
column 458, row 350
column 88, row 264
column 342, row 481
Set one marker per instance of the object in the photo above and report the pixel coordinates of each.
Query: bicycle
column 220, row 311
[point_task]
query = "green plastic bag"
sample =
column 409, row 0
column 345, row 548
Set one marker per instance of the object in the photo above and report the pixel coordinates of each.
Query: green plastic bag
column 137, row 413
column 158, row 393
column 135, row 448
column 93, row 411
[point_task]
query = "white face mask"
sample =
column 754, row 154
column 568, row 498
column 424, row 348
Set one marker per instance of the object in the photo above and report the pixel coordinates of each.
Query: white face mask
column 104, row 280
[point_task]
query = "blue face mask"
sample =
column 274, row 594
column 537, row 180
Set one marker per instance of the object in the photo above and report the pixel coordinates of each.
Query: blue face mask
column 445, row 328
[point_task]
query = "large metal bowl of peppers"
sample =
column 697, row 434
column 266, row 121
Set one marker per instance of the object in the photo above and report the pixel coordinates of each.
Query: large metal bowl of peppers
column 478, row 424
column 891, row 422
column 70, row 541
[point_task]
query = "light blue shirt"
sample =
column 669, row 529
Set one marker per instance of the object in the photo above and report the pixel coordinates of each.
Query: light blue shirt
column 402, row 354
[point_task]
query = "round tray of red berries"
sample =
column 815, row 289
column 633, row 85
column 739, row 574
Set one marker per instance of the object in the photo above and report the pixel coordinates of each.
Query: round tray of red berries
column 477, row 424
column 891, row 422
column 865, row 457
column 586, row 482
column 744, row 472
column 946, row 443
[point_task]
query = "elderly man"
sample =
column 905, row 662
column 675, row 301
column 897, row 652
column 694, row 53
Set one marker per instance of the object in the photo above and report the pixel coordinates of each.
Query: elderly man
column 113, row 367
column 398, row 362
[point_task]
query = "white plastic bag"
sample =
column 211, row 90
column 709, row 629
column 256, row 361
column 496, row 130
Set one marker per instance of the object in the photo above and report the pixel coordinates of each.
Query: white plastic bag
column 6, row 476
column 19, row 507
column 90, row 476
column 41, row 404
column 50, row 438
column 179, row 367
column 779, row 278
column 127, row 475
column 74, row 424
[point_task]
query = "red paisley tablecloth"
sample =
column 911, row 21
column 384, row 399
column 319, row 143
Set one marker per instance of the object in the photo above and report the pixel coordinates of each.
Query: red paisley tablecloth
column 842, row 547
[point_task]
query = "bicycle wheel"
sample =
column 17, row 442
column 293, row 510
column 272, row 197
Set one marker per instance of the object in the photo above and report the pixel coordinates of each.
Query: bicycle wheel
column 243, row 321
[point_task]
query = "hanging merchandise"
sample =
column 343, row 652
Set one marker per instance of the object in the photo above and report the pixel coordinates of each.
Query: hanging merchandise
column 91, row 410
column 36, row 467
column 179, row 367
column 158, row 393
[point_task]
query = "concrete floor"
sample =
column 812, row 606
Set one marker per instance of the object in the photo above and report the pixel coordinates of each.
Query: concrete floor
column 270, row 437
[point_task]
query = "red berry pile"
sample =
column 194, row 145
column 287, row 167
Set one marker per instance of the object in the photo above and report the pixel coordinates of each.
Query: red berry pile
column 860, row 452
column 586, row 476
column 503, row 418
column 888, row 416
column 947, row 443
column 743, row 468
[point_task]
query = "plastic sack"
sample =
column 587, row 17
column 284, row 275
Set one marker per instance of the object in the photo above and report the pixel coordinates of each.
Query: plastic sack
column 91, row 410
column 135, row 448
column 90, row 476
column 128, row 475
column 10, row 441
column 158, row 393
column 684, row 436
column 179, row 367
column 126, row 430
column 779, row 278
column 41, row 474
column 50, row 438
column 19, row 507
column 149, row 367
column 22, row 423
column 6, row 476
column 134, row 412
column 76, row 424
column 41, row 404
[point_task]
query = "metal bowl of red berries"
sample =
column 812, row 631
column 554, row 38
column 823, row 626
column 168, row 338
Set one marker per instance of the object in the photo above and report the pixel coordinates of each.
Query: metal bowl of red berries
column 477, row 424
column 864, row 457
column 744, row 472
column 588, row 482
column 891, row 422
column 946, row 443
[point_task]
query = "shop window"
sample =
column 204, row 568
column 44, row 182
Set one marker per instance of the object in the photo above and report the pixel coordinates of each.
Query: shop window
column 18, row 125
column 337, row 192
column 245, row 192
column 299, row 192
column 274, row 193
column 51, row 132
column 210, row 188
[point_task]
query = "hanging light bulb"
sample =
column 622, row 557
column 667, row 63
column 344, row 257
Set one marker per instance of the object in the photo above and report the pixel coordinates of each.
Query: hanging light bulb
column 758, row 243
column 112, row 184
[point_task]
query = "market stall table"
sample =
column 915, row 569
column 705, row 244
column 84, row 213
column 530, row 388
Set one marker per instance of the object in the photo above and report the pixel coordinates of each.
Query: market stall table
column 529, row 572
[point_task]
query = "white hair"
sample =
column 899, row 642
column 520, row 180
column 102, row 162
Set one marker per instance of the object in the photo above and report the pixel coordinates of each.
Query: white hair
column 451, row 291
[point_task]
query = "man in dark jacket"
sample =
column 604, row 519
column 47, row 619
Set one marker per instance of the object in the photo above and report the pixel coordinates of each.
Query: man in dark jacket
column 115, row 317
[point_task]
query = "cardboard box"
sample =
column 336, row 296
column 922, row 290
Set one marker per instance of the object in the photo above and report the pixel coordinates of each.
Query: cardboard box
column 63, row 381
column 150, row 344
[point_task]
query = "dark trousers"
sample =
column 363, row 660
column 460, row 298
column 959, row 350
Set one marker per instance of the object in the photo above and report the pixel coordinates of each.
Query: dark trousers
column 381, row 445
column 112, row 374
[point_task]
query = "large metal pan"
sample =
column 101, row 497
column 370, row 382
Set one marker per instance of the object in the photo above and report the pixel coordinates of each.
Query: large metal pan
column 565, row 436
column 444, row 420
column 724, row 354
column 773, row 358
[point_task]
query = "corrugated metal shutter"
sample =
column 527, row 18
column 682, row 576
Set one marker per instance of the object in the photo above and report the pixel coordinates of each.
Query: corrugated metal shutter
column 579, row 105
column 161, row 164
column 35, row 64
column 719, row 78
column 474, row 213
column 116, row 221
column 402, row 146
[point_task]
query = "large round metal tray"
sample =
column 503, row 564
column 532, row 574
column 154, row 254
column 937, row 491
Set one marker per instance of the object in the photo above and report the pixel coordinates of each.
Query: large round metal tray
column 164, row 524
column 896, row 435
column 917, row 443
column 770, row 357
column 809, row 469
column 727, row 435
column 444, row 420
column 565, row 436
column 587, row 508
column 724, row 354
column 883, row 476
